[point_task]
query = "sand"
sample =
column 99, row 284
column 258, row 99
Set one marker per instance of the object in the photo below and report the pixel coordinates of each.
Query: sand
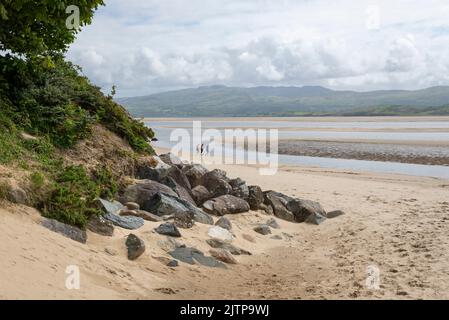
column 398, row 224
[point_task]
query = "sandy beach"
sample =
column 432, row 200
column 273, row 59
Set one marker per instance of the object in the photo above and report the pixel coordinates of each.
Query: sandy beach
column 398, row 224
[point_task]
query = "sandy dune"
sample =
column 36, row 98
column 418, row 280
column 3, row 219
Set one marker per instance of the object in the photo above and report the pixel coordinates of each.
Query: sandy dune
column 396, row 223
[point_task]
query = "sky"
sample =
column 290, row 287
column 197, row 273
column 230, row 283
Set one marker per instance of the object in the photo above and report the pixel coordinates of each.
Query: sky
column 147, row 46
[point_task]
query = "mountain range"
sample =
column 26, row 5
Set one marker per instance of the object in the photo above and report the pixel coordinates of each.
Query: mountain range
column 223, row 101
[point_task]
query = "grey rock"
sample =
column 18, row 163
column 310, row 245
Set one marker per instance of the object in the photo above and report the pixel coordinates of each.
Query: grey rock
column 126, row 222
column 266, row 209
column 192, row 255
column 184, row 220
column 171, row 159
column 334, row 214
column 182, row 192
column 136, row 247
column 173, row 264
column 306, row 211
column 239, row 188
column 200, row 194
column 278, row 202
column 143, row 191
column 66, row 230
column 217, row 183
column 180, row 178
column 224, row 223
column 17, row 195
column 100, row 225
column 273, row 223
column 217, row 232
column 226, row 204
column 108, row 206
column 163, row 204
column 255, row 198
column 155, row 170
column 219, row 244
column 168, row 229
column 263, row 229
column 194, row 173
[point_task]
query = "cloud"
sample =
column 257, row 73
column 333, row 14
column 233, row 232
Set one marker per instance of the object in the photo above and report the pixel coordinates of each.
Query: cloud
column 151, row 46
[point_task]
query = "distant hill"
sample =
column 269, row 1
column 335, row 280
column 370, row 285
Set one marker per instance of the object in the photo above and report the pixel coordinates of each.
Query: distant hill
column 287, row 101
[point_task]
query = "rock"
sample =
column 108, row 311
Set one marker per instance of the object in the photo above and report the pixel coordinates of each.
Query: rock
column 217, row 183
column 173, row 264
column 306, row 211
column 126, row 222
column 266, row 209
column 194, row 173
column 273, row 223
column 192, row 255
column 220, row 233
column 171, row 159
column 17, row 195
column 66, row 230
column 226, row 204
column 143, row 191
column 155, row 169
column 169, row 244
column 223, row 255
column 100, row 225
column 136, row 247
column 315, row 218
column 184, row 220
column 255, row 198
column 278, row 202
column 334, row 214
column 200, row 194
column 109, row 207
column 239, row 188
column 132, row 206
column 145, row 215
column 219, row 244
column 163, row 204
column 180, row 178
column 182, row 192
column 224, row 223
column 168, row 229
column 263, row 229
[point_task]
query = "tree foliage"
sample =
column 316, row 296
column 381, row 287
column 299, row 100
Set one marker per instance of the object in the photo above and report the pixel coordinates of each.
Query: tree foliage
column 36, row 27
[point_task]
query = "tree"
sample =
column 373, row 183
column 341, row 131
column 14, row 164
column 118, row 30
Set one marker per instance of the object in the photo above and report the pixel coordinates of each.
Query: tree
column 38, row 27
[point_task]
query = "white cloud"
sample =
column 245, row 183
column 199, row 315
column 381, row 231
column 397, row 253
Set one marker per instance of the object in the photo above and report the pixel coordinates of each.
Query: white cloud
column 150, row 46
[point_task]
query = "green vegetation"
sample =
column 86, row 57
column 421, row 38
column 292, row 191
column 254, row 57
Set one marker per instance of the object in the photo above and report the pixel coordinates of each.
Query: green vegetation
column 216, row 101
column 47, row 97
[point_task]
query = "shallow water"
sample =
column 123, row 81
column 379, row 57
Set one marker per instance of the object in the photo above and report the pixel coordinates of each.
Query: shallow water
column 163, row 130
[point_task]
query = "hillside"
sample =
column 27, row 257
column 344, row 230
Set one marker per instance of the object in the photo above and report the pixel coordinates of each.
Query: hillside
column 287, row 101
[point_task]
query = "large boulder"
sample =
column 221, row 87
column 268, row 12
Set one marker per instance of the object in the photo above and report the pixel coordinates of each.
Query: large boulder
column 239, row 188
column 180, row 178
column 66, row 230
column 144, row 190
column 152, row 169
column 226, row 204
column 182, row 192
column 200, row 194
column 217, row 183
column 171, row 159
column 99, row 225
column 135, row 246
column 255, row 198
column 184, row 220
column 295, row 210
column 163, row 204
column 195, row 173
column 278, row 202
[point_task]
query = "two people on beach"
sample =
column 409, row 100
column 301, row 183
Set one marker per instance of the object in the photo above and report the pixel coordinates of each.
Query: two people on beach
column 202, row 149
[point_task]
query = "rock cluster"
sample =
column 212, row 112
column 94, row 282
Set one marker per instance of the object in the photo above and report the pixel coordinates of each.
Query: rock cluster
column 178, row 195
